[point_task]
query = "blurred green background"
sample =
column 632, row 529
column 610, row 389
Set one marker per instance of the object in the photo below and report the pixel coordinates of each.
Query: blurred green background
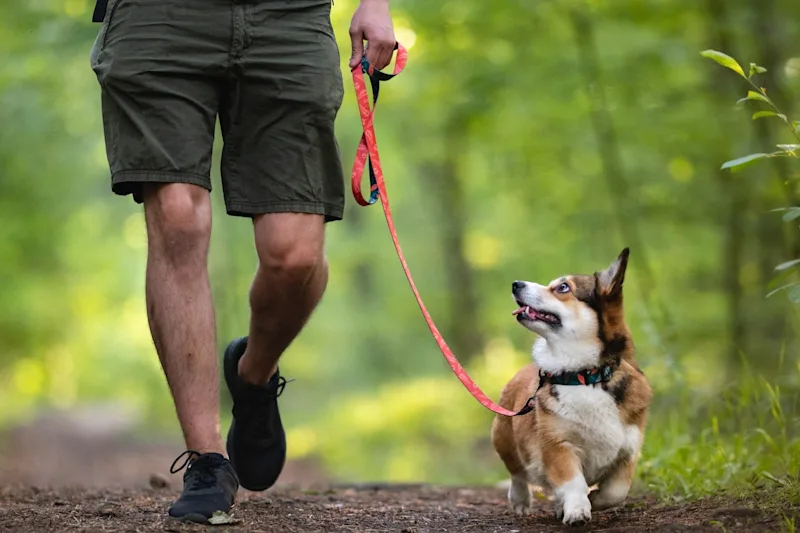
column 525, row 139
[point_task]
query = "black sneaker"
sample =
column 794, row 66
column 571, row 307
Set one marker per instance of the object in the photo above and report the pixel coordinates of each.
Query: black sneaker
column 256, row 440
column 209, row 485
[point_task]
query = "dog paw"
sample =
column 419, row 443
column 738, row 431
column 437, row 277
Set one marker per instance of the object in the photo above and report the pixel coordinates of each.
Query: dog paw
column 519, row 498
column 576, row 513
column 520, row 509
column 609, row 496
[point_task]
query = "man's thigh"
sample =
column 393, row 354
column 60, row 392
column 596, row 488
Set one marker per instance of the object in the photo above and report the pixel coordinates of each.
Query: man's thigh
column 281, row 153
column 161, row 67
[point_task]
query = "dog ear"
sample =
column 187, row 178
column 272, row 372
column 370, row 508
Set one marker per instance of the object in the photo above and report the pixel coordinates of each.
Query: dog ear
column 609, row 281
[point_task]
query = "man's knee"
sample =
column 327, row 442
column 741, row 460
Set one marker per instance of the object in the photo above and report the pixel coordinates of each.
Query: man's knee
column 291, row 248
column 294, row 261
column 178, row 219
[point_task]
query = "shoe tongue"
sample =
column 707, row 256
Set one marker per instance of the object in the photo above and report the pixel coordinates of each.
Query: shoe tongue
column 209, row 459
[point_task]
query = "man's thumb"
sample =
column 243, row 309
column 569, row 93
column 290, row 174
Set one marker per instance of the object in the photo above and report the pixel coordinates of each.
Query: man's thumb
column 356, row 37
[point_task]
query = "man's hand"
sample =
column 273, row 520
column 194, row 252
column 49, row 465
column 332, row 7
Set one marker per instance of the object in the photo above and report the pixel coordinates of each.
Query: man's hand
column 372, row 22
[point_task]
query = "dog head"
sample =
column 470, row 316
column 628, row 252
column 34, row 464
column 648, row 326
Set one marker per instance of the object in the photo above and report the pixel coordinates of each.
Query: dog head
column 576, row 309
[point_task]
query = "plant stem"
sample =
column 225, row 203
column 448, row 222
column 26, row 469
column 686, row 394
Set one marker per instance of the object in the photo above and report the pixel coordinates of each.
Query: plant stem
column 784, row 118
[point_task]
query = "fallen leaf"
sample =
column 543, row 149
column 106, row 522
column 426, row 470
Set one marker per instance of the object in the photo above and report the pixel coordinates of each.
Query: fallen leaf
column 221, row 518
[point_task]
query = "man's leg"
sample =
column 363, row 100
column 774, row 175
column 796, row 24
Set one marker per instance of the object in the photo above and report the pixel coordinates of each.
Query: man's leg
column 181, row 316
column 291, row 278
column 160, row 99
column 281, row 167
column 179, row 307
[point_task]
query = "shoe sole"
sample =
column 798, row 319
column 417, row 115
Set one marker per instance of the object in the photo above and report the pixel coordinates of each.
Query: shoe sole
column 193, row 518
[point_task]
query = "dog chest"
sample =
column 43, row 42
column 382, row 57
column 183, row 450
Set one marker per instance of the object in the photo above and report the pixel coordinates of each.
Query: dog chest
column 593, row 423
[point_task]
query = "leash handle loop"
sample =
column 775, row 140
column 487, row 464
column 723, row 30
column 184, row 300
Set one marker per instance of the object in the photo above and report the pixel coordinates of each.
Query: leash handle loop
column 363, row 155
column 367, row 153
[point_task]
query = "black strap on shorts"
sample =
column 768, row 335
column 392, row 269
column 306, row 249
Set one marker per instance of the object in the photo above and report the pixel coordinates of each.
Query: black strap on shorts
column 100, row 10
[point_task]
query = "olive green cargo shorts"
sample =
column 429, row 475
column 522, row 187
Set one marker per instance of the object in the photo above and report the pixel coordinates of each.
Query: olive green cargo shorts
column 270, row 69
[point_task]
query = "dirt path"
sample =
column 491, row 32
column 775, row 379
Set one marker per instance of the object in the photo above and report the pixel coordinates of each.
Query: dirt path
column 409, row 509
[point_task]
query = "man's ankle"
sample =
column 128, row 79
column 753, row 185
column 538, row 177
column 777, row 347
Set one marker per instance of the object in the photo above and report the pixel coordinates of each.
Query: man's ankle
column 204, row 447
column 255, row 374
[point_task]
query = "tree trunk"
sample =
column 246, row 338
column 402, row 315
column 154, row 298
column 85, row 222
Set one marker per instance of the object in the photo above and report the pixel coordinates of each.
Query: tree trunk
column 463, row 331
column 721, row 91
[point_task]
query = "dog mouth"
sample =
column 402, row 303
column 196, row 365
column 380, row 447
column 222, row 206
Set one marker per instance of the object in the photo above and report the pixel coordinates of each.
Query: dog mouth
column 526, row 312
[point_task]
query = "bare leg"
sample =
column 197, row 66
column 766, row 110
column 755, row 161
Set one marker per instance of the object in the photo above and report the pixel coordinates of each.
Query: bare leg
column 291, row 278
column 179, row 307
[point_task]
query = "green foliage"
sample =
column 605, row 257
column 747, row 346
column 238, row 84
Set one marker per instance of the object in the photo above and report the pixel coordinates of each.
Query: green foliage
column 728, row 62
column 784, row 150
column 736, row 165
column 762, row 114
column 742, row 440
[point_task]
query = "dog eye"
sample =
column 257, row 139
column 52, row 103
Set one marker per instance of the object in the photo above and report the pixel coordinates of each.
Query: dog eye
column 563, row 288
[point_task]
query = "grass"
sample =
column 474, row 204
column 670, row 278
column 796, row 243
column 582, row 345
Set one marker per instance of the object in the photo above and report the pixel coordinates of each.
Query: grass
column 743, row 442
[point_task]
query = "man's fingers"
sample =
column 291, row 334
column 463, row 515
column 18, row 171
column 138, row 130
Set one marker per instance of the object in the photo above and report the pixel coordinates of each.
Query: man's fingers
column 389, row 53
column 357, row 40
column 384, row 56
column 373, row 51
column 380, row 54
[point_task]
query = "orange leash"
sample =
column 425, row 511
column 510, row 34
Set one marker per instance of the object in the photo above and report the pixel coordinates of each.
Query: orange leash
column 367, row 154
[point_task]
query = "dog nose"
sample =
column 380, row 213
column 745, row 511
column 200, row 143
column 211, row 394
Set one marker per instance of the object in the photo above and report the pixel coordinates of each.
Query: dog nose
column 518, row 285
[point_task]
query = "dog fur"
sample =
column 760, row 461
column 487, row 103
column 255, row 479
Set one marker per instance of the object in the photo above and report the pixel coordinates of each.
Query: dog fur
column 576, row 436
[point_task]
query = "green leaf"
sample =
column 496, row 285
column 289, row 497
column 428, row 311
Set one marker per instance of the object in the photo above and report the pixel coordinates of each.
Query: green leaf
column 796, row 126
column 756, row 69
column 787, row 265
column 781, row 288
column 737, row 164
column 789, row 147
column 771, row 442
column 724, row 60
column 782, row 278
column 768, row 438
column 762, row 114
column 794, row 295
column 752, row 95
column 791, row 214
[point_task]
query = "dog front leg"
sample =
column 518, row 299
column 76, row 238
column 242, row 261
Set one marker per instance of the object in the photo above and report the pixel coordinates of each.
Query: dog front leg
column 563, row 468
column 613, row 489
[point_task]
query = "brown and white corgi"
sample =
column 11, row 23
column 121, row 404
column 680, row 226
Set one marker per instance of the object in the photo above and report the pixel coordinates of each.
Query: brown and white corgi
column 588, row 397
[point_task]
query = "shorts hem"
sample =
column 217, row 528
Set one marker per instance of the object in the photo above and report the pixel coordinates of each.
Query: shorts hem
column 240, row 208
column 130, row 181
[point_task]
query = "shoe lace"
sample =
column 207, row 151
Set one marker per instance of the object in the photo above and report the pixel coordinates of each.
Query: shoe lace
column 262, row 418
column 282, row 381
column 200, row 471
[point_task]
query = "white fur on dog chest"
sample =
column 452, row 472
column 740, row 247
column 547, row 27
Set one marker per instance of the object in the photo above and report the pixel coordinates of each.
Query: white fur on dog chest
column 596, row 427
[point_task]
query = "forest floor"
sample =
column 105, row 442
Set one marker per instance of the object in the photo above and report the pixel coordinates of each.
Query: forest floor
column 43, row 464
column 401, row 508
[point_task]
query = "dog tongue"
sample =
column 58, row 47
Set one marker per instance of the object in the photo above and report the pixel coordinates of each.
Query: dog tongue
column 523, row 309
